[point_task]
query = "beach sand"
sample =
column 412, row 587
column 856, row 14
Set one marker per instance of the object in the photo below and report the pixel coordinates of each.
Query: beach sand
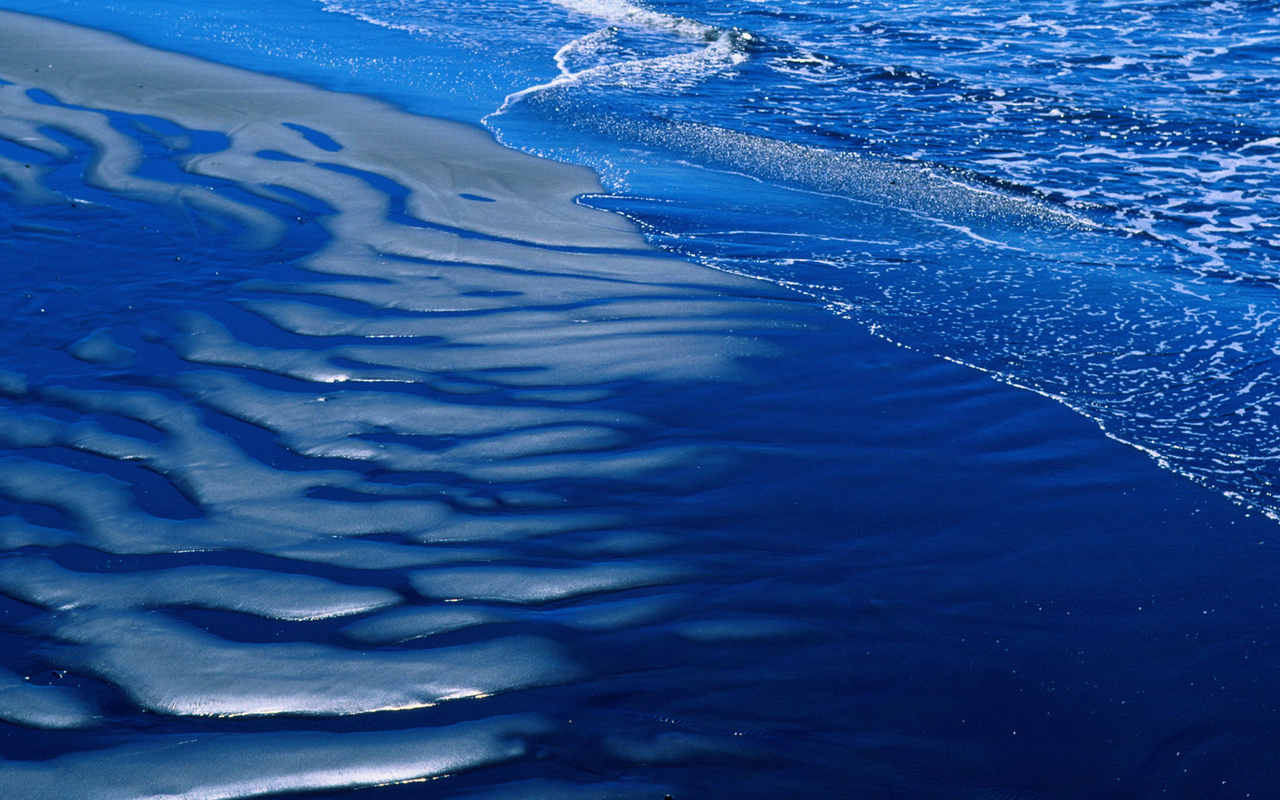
column 623, row 483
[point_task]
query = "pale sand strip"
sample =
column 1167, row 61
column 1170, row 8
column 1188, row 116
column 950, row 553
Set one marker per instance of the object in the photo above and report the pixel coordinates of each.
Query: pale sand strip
column 531, row 297
column 91, row 68
column 222, row 766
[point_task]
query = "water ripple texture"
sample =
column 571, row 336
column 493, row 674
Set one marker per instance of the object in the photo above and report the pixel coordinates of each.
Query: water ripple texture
column 398, row 409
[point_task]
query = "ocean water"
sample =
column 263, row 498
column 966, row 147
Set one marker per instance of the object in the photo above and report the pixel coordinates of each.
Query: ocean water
column 588, row 399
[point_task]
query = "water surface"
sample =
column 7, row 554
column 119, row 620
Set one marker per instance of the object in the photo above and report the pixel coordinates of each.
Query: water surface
column 348, row 449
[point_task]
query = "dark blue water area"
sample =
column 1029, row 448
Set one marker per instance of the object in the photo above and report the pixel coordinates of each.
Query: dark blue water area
column 983, row 595
column 1001, row 600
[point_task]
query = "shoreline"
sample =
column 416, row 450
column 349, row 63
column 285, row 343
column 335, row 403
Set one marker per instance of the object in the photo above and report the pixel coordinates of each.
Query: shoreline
column 82, row 66
column 490, row 413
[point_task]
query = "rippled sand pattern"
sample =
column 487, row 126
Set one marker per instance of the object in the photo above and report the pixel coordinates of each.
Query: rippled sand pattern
column 440, row 382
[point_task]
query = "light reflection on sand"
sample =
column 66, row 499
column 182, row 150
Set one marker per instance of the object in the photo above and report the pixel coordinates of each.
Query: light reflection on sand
column 474, row 308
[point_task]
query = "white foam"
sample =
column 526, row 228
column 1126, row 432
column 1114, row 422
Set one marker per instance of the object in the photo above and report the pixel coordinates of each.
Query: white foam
column 169, row 667
column 620, row 11
column 719, row 51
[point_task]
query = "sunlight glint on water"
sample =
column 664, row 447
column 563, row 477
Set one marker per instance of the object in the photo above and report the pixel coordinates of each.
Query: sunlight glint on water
column 346, row 449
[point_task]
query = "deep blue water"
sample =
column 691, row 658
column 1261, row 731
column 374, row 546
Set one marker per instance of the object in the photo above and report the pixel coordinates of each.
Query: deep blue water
column 933, row 456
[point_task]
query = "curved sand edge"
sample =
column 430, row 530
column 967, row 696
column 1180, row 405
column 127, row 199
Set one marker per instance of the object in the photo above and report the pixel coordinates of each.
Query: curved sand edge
column 85, row 67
